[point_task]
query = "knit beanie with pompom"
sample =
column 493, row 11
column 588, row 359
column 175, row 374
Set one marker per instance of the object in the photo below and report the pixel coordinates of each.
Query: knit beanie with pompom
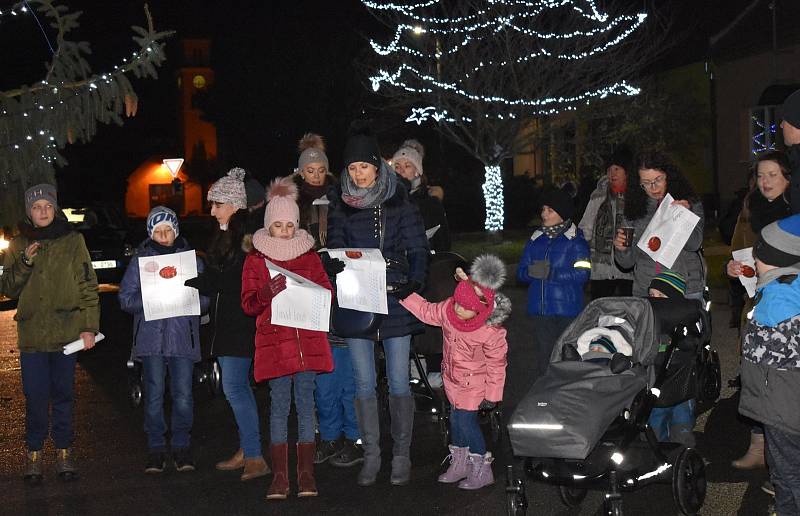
column 230, row 189
column 312, row 150
column 413, row 151
column 282, row 202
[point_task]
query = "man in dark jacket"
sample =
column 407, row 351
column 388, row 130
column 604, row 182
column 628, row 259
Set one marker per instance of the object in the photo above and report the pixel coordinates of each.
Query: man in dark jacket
column 791, row 137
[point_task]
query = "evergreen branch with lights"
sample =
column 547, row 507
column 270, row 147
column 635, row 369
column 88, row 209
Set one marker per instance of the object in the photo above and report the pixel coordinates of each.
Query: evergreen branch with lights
column 36, row 120
column 482, row 70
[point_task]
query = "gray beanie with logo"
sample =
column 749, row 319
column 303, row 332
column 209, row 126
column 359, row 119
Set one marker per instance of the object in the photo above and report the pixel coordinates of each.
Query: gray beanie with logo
column 40, row 191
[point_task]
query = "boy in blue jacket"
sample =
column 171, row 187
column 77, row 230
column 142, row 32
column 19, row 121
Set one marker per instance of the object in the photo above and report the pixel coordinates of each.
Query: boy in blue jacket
column 771, row 357
column 171, row 344
column 555, row 264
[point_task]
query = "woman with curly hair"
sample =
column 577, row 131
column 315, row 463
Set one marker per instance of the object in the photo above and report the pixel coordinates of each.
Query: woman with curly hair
column 657, row 177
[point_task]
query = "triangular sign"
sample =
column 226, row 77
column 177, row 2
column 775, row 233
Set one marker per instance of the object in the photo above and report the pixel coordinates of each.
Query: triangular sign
column 174, row 165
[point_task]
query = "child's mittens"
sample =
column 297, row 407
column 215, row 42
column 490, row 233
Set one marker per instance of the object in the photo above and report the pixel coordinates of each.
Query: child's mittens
column 539, row 269
column 487, row 405
column 273, row 287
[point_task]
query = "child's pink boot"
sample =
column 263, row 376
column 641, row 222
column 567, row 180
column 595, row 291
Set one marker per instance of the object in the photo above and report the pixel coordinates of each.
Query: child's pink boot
column 481, row 474
column 459, row 466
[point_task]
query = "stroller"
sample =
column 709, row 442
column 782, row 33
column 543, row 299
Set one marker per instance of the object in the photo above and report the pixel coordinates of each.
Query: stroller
column 584, row 425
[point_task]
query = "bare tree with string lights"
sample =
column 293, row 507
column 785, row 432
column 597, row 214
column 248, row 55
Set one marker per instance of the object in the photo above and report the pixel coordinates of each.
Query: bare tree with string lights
column 482, row 69
column 66, row 105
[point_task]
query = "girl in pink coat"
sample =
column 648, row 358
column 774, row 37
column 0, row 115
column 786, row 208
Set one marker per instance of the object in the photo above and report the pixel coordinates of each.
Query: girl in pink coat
column 473, row 363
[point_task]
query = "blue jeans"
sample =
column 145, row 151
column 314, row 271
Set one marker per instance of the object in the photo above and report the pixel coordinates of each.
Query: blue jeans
column 180, row 390
column 335, row 393
column 48, row 377
column 783, row 456
column 236, row 386
column 280, row 390
column 674, row 424
column 396, row 349
column 465, row 432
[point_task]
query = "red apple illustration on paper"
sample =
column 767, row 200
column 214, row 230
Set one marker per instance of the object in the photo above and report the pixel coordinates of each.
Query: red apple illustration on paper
column 151, row 267
column 747, row 271
column 353, row 254
column 168, row 272
column 654, row 244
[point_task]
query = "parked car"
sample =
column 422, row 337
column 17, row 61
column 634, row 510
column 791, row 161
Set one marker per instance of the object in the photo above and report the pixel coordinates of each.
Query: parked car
column 107, row 237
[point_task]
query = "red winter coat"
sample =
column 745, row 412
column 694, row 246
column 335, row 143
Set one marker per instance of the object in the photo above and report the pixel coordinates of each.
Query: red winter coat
column 473, row 362
column 280, row 350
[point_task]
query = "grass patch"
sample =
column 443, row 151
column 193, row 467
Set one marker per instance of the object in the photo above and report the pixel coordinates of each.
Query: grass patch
column 508, row 246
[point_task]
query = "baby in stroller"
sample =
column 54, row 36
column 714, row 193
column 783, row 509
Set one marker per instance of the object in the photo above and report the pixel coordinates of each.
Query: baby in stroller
column 473, row 364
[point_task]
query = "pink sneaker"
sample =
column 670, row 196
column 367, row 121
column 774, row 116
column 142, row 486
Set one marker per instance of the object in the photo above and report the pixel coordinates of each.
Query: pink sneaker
column 481, row 474
column 459, row 466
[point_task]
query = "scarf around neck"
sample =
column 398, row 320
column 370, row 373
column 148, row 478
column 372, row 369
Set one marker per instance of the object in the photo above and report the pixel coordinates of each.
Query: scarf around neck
column 557, row 229
column 281, row 249
column 57, row 228
column 764, row 212
column 311, row 192
column 461, row 324
column 361, row 198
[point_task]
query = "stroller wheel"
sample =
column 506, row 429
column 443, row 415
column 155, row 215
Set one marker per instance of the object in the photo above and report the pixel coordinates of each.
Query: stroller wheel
column 444, row 422
column 135, row 394
column 571, row 496
column 516, row 501
column 214, row 378
column 613, row 507
column 689, row 481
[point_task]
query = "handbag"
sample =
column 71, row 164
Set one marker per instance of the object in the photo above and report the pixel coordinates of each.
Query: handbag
column 349, row 323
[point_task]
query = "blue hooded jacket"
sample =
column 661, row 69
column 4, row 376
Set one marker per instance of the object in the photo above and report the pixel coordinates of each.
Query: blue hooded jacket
column 171, row 337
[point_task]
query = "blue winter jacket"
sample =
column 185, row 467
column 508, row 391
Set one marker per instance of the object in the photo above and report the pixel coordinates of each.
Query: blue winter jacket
column 172, row 337
column 562, row 292
column 404, row 240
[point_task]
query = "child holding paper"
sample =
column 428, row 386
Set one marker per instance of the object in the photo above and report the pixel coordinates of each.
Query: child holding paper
column 171, row 344
column 657, row 177
column 285, row 355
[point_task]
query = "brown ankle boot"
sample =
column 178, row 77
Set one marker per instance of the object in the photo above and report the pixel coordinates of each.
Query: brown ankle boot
column 754, row 457
column 254, row 467
column 234, row 463
column 306, row 485
column 279, row 488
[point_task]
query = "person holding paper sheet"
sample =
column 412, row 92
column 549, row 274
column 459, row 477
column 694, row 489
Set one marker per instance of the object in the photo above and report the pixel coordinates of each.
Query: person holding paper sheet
column 657, row 176
column 284, row 355
column 49, row 270
column 764, row 205
column 234, row 331
column 370, row 210
column 171, row 344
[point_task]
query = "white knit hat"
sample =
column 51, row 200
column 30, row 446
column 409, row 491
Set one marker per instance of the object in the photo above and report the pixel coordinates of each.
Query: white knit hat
column 412, row 151
column 230, row 189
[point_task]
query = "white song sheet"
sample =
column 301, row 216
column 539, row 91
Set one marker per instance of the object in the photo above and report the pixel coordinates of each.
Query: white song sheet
column 163, row 292
column 303, row 304
column 362, row 284
column 746, row 257
column 667, row 233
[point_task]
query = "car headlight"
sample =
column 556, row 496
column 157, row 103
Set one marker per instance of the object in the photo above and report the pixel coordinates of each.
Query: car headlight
column 128, row 250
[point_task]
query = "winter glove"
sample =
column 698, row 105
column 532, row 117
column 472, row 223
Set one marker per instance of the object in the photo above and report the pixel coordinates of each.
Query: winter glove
column 403, row 290
column 332, row 266
column 273, row 287
column 487, row 405
column 539, row 269
column 193, row 282
column 207, row 282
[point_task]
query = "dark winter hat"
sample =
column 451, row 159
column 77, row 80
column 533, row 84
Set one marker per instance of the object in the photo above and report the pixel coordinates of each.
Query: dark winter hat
column 254, row 191
column 622, row 157
column 669, row 283
column 560, row 202
column 362, row 146
column 790, row 111
column 605, row 343
column 779, row 243
column 40, row 191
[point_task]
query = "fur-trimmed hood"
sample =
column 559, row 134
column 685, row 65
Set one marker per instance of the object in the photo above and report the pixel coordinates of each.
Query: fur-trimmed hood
column 502, row 310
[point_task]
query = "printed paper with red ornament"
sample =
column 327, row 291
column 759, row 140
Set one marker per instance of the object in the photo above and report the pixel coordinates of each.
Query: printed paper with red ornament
column 163, row 292
column 748, row 275
column 667, row 233
column 362, row 284
column 303, row 304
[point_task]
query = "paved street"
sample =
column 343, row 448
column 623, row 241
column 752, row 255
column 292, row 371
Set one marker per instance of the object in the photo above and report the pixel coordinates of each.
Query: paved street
column 111, row 447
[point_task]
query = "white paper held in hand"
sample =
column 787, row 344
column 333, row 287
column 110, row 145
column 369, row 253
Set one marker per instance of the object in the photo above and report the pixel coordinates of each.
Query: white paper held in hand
column 668, row 231
column 303, row 304
column 77, row 345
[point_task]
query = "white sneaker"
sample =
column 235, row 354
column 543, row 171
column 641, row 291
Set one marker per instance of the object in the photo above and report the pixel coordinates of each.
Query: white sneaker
column 435, row 379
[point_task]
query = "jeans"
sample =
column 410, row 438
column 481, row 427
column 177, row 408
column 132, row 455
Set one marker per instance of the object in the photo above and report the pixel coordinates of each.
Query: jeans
column 396, row 349
column 236, row 386
column 180, row 390
column 48, row 377
column 280, row 390
column 547, row 330
column 675, row 423
column 783, row 456
column 465, row 432
column 335, row 393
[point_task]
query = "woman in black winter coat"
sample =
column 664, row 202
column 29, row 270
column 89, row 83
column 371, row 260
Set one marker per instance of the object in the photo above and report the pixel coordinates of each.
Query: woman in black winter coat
column 234, row 332
column 313, row 181
column 370, row 209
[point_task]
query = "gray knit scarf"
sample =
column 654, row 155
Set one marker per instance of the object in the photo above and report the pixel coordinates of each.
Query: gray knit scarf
column 377, row 194
column 556, row 229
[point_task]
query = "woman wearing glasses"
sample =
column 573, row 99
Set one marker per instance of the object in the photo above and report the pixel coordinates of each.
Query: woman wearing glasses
column 657, row 177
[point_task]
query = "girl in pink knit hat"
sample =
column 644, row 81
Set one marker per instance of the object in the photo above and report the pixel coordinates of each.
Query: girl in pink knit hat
column 473, row 364
column 283, row 355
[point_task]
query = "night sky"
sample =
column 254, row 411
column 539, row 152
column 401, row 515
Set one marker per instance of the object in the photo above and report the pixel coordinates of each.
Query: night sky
column 283, row 67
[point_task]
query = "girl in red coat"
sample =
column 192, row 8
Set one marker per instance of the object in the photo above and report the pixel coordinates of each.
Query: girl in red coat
column 473, row 362
column 286, row 355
